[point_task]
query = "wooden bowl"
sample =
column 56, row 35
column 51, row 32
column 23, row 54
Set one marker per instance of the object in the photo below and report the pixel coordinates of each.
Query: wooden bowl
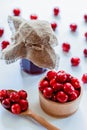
column 57, row 109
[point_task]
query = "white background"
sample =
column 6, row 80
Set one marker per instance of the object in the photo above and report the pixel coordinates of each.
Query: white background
column 11, row 76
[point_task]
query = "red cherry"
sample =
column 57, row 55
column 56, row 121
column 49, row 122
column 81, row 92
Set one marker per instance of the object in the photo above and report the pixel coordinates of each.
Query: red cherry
column 61, row 77
column 47, row 92
column 33, row 17
column 69, row 76
column 16, row 109
column 56, row 11
column 24, row 104
column 73, row 96
column 73, row 27
column 54, row 97
column 22, row 94
column 4, row 44
column 54, row 25
column 62, row 97
column 84, row 78
column 85, row 52
column 75, row 82
column 6, row 103
column 85, row 17
column 51, row 74
column 75, row 61
column 14, row 97
column 77, row 92
column 16, row 12
column 3, row 94
column 8, row 94
column 57, row 87
column 52, row 81
column 66, row 47
column 85, row 35
column 43, row 84
column 1, row 32
column 68, row 88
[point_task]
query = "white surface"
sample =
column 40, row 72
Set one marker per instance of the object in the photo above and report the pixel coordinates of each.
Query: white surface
column 12, row 77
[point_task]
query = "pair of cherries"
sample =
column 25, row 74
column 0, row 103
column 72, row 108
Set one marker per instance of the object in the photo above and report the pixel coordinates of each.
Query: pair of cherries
column 17, row 12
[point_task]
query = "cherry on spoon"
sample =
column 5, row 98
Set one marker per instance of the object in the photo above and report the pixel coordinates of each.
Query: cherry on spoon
column 36, row 117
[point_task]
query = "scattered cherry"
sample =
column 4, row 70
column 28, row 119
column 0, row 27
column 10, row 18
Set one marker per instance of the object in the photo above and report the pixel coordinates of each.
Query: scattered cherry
column 4, row 44
column 56, row 11
column 1, row 32
column 33, row 17
column 65, row 47
column 85, row 52
column 73, row 27
column 16, row 12
column 85, row 35
column 85, row 17
column 75, row 61
column 84, row 78
column 54, row 25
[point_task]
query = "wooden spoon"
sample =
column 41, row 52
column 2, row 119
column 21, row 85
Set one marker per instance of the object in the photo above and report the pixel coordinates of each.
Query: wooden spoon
column 36, row 117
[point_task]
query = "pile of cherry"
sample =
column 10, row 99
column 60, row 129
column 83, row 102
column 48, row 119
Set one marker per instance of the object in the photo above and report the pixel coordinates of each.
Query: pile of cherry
column 14, row 101
column 60, row 86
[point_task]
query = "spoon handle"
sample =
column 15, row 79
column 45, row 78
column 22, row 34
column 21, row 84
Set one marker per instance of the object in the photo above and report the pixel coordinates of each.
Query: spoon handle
column 42, row 121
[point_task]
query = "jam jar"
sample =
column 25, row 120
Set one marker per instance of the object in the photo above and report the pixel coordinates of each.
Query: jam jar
column 30, row 68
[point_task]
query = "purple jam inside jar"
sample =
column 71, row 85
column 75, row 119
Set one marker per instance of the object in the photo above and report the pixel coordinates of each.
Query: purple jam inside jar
column 28, row 67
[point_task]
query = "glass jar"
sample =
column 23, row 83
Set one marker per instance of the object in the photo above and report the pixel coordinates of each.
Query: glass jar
column 28, row 67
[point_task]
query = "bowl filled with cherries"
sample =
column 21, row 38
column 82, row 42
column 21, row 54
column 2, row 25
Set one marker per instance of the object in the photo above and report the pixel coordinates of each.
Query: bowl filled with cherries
column 60, row 93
